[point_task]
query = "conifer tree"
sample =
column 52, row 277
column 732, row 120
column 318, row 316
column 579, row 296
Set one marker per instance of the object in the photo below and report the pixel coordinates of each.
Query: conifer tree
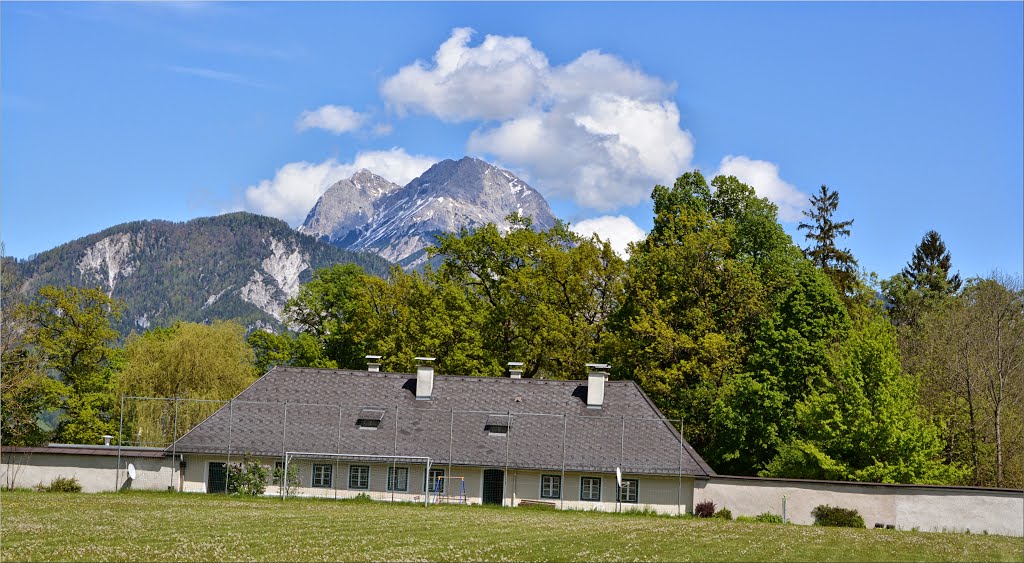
column 929, row 268
column 838, row 264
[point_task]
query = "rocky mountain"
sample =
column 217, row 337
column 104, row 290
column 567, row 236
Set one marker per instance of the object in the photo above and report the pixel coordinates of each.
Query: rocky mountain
column 236, row 266
column 369, row 213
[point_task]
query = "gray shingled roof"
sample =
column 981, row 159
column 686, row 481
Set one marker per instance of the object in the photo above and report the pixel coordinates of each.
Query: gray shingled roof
column 315, row 410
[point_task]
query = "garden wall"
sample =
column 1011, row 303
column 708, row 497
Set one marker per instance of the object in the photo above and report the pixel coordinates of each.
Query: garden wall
column 97, row 468
column 924, row 507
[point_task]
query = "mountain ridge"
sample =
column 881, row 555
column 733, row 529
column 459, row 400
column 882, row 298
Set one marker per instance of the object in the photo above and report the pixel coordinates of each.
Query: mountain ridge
column 238, row 266
column 369, row 213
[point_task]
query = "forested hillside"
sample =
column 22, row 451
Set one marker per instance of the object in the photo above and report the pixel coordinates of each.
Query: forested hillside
column 237, row 266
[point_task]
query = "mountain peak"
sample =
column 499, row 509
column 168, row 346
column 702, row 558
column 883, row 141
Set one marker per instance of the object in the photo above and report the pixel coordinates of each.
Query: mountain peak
column 398, row 224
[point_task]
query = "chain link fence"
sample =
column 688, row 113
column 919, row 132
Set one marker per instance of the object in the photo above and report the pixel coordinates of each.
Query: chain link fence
column 333, row 444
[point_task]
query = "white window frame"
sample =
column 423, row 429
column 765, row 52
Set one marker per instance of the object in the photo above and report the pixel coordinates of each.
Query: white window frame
column 588, row 482
column 329, row 468
column 557, row 486
column 432, row 476
column 623, row 491
column 393, row 473
column 352, row 468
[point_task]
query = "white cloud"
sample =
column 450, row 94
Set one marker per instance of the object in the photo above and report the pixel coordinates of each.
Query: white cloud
column 763, row 176
column 296, row 186
column 336, row 119
column 596, row 130
column 618, row 230
column 495, row 80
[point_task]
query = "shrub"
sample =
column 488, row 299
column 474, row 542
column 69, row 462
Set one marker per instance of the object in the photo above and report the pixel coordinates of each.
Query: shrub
column 825, row 515
column 705, row 509
column 61, row 484
column 247, row 478
column 293, row 476
column 768, row 518
column 724, row 514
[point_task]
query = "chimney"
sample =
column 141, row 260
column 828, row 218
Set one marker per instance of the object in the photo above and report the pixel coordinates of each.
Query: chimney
column 424, row 378
column 515, row 370
column 373, row 363
column 597, row 375
column 106, row 439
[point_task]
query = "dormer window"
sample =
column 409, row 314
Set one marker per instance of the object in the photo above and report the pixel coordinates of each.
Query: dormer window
column 497, row 424
column 369, row 419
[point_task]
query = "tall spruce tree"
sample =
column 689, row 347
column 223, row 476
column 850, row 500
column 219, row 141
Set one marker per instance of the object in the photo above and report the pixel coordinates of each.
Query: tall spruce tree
column 929, row 268
column 838, row 263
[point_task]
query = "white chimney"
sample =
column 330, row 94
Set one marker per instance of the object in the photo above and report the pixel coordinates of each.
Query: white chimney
column 106, row 439
column 597, row 375
column 373, row 363
column 515, row 370
column 424, row 378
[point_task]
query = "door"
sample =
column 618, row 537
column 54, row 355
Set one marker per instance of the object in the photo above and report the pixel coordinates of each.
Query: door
column 494, row 486
column 217, row 477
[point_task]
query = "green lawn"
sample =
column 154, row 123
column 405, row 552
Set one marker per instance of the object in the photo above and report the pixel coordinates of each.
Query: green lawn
column 144, row 526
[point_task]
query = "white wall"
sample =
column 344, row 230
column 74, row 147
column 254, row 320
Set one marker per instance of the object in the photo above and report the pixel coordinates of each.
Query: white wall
column 96, row 473
column 906, row 507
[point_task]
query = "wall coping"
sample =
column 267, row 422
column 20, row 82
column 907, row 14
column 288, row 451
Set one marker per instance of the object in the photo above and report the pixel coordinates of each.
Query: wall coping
column 86, row 449
column 784, row 480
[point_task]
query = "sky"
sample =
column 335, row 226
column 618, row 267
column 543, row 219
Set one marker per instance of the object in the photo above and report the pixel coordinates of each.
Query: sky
column 912, row 112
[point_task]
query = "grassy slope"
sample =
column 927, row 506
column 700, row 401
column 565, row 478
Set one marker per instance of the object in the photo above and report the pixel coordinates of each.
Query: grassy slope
column 160, row 526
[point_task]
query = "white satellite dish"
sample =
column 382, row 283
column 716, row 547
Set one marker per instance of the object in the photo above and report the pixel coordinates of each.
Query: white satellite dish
column 131, row 471
column 618, row 477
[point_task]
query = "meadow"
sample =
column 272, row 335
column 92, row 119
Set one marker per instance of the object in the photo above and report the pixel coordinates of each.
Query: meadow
column 148, row 526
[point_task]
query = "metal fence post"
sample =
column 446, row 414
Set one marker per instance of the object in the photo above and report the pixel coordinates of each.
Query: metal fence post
column 504, row 475
column 227, row 465
column 120, row 438
column 284, row 453
column 679, row 489
column 394, row 460
column 451, row 442
column 337, row 450
column 174, row 441
column 561, row 480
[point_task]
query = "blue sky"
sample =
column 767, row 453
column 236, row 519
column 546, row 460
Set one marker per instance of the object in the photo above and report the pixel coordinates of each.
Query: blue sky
column 913, row 112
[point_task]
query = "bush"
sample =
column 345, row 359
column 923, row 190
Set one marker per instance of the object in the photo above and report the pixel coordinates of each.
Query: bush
column 247, row 478
column 61, row 484
column 825, row 515
column 768, row 518
column 724, row 514
column 704, row 509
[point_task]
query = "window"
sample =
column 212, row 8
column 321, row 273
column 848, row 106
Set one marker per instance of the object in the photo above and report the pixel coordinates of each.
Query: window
column 369, row 418
column 590, row 489
column 497, row 424
column 275, row 477
column 398, row 478
column 432, row 480
column 322, row 475
column 628, row 491
column 550, row 486
column 359, row 477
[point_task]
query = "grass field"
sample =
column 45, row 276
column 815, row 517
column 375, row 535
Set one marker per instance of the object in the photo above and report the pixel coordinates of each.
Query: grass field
column 191, row 527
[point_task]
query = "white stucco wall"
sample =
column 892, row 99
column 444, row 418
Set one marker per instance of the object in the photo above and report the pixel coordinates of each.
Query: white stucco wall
column 96, row 473
column 906, row 507
column 666, row 495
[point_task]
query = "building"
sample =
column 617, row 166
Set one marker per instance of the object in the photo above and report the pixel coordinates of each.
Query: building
column 424, row 437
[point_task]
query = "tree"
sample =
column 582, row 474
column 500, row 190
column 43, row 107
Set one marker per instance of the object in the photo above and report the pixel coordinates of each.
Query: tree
column 324, row 309
column 838, row 264
column 929, row 269
column 971, row 357
column 185, row 361
column 25, row 391
column 74, row 336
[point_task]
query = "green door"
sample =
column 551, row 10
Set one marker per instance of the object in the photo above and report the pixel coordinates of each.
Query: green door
column 217, row 477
